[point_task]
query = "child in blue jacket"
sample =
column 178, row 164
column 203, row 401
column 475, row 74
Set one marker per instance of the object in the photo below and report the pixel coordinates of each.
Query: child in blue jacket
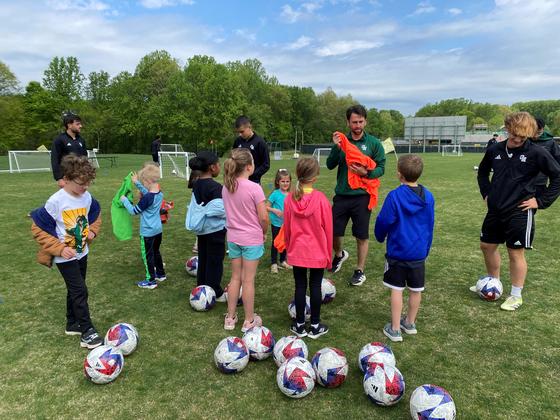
column 150, row 223
column 407, row 221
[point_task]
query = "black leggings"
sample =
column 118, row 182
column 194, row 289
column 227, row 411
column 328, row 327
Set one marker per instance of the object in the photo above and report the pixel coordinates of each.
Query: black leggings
column 273, row 250
column 211, row 253
column 315, row 279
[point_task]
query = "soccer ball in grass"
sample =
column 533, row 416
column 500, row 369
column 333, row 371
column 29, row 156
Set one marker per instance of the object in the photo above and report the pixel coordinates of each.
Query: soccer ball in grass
column 295, row 377
column 260, row 342
column 202, row 298
column 173, row 172
column 328, row 291
column 489, row 288
column 330, row 366
column 292, row 308
column 431, row 402
column 288, row 347
column 375, row 352
column 103, row 364
column 191, row 265
column 123, row 337
column 383, row 384
column 239, row 299
column 231, row 355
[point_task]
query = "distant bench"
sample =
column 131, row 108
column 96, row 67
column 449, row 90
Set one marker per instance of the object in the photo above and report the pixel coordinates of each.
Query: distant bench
column 113, row 159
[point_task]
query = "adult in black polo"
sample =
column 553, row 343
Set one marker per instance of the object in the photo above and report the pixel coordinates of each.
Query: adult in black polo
column 65, row 143
column 256, row 145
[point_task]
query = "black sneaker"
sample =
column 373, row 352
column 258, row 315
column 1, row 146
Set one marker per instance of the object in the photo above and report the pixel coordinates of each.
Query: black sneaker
column 314, row 333
column 357, row 278
column 337, row 261
column 90, row 339
column 299, row 331
column 73, row 329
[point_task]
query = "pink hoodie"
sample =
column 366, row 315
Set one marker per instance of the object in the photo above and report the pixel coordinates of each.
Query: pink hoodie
column 308, row 230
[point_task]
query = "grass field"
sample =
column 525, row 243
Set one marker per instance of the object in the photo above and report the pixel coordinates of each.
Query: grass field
column 495, row 364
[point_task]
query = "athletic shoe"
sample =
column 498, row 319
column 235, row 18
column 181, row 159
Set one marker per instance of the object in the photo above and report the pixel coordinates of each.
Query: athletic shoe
column 337, row 261
column 512, row 303
column 147, row 284
column 222, row 298
column 318, row 331
column 299, row 331
column 285, row 265
column 161, row 278
column 393, row 335
column 229, row 323
column 257, row 322
column 408, row 328
column 274, row 268
column 357, row 278
column 90, row 339
column 73, row 329
column 473, row 289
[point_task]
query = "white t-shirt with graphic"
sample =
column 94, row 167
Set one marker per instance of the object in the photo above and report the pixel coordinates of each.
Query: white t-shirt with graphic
column 70, row 214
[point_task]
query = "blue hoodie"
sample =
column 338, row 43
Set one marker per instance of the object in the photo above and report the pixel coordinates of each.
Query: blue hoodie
column 148, row 208
column 407, row 221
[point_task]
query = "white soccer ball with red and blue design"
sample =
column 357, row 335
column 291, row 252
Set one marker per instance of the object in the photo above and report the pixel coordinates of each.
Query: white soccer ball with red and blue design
column 191, row 265
column 122, row 336
column 432, row 402
column 292, row 308
column 260, row 343
column 375, row 352
column 231, row 355
column 328, row 290
column 239, row 299
column 103, row 364
column 288, row 347
column 330, row 366
column 296, row 377
column 489, row 288
column 203, row 298
column 383, row 384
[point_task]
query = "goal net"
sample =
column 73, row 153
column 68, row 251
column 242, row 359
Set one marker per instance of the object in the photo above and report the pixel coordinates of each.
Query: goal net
column 321, row 155
column 174, row 164
column 451, row 150
column 92, row 156
column 167, row 147
column 29, row 161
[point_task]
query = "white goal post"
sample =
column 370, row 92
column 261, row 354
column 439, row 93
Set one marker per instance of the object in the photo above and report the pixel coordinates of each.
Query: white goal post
column 168, row 147
column 92, row 156
column 175, row 164
column 29, row 161
column 321, row 155
column 451, row 150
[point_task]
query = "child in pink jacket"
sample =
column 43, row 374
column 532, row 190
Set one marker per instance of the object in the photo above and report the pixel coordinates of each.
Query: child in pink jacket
column 308, row 235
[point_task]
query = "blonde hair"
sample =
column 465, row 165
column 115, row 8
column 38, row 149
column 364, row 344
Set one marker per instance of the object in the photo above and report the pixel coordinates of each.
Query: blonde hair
column 234, row 166
column 306, row 169
column 149, row 173
column 521, row 124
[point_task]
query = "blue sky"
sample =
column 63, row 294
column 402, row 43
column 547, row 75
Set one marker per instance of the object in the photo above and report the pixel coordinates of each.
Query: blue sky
column 385, row 53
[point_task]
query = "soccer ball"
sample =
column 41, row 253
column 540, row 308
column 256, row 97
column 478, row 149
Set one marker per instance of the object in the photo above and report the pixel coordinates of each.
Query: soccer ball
column 260, row 342
column 330, row 366
column 295, row 377
column 191, row 265
column 288, row 347
column 431, row 402
column 239, row 299
column 122, row 336
column 383, row 384
column 103, row 364
column 231, row 355
column 328, row 290
column 489, row 288
column 292, row 308
column 173, row 172
column 375, row 353
column 202, row 298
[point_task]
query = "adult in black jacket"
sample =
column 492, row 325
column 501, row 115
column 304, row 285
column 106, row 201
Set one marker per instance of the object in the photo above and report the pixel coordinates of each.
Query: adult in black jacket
column 256, row 145
column 65, row 143
column 492, row 141
column 546, row 140
column 156, row 147
column 512, row 199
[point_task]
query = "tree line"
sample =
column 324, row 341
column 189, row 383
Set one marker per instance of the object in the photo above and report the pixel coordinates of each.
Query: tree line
column 195, row 105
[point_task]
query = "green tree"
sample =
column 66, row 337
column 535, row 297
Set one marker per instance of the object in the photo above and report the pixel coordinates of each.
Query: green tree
column 64, row 79
column 9, row 84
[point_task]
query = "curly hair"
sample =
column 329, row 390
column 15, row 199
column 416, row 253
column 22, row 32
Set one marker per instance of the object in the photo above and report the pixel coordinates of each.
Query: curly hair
column 149, row 173
column 76, row 167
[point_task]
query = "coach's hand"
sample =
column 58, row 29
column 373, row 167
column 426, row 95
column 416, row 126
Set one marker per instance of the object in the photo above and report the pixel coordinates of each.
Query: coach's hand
column 336, row 138
column 531, row 203
column 358, row 169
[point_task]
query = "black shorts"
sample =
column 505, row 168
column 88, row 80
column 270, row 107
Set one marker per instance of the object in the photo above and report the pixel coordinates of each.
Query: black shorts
column 516, row 228
column 353, row 207
column 401, row 274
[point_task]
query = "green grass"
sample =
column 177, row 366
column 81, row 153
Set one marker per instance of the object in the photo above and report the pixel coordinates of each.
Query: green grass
column 495, row 364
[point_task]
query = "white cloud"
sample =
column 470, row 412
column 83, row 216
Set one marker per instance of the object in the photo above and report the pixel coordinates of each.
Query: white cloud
column 246, row 34
column 454, row 11
column 94, row 5
column 424, row 7
column 305, row 11
column 346, row 47
column 158, row 4
column 301, row 42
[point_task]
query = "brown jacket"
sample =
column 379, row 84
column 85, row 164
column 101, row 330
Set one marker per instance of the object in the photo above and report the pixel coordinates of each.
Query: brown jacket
column 51, row 247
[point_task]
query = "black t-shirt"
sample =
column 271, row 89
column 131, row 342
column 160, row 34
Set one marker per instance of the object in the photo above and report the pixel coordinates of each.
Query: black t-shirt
column 206, row 190
column 63, row 145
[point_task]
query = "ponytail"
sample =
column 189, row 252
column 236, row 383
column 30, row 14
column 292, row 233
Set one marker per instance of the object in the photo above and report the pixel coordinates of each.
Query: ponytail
column 306, row 169
column 234, row 166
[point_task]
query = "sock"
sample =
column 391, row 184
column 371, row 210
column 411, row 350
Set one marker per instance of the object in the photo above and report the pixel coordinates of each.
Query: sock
column 516, row 291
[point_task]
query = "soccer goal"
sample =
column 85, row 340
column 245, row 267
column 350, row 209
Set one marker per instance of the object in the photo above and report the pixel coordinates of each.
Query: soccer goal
column 451, row 150
column 29, row 161
column 321, row 155
column 174, row 164
column 167, row 147
column 92, row 156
